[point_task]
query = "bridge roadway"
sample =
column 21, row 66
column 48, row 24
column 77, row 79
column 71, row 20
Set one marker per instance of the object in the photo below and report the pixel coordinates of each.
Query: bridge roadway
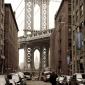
column 37, row 38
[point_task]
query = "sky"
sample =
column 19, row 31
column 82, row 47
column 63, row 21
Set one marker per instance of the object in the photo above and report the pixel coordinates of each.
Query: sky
column 19, row 8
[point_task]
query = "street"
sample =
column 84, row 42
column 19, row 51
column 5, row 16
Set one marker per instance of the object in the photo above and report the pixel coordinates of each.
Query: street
column 37, row 83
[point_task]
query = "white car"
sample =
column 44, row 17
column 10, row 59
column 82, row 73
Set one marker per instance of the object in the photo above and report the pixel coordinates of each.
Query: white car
column 16, row 78
column 21, row 74
column 22, row 79
column 2, row 80
column 60, row 79
column 11, row 82
column 79, row 79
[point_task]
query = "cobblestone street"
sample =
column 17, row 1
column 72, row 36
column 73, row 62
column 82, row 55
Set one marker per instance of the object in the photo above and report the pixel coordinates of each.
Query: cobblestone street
column 37, row 83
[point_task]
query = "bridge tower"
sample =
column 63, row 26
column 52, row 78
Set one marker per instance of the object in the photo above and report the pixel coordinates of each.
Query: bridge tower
column 29, row 15
column 29, row 28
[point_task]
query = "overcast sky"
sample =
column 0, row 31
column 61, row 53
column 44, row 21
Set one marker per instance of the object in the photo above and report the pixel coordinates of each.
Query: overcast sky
column 18, row 7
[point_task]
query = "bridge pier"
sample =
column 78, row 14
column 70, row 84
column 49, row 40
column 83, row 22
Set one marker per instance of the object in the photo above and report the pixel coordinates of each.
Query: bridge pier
column 29, row 57
column 25, row 57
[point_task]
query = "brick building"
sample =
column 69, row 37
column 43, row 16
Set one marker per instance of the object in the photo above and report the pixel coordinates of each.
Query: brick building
column 78, row 36
column 2, row 57
column 10, row 40
column 60, row 44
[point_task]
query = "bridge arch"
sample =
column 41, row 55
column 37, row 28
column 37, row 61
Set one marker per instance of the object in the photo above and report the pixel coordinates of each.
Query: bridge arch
column 37, row 59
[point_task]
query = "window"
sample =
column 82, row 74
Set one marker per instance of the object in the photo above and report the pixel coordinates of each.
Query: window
column 76, row 15
column 79, row 38
column 69, row 19
column 81, row 10
column 76, row 2
column 73, row 35
column 73, row 20
column 60, row 18
column 2, row 2
column 2, row 19
column 73, row 4
column 69, row 7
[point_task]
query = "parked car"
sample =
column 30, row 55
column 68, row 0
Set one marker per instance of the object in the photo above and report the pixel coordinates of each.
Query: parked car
column 35, row 77
column 22, row 79
column 14, row 77
column 28, row 75
column 10, row 80
column 77, row 79
column 63, row 80
column 21, row 74
column 46, row 76
column 3, row 80
column 60, row 80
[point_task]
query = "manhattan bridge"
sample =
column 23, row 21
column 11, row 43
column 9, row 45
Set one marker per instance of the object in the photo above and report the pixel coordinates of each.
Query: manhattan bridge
column 36, row 39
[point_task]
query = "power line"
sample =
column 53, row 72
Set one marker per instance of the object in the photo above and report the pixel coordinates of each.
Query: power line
column 18, row 5
column 20, row 13
column 21, row 23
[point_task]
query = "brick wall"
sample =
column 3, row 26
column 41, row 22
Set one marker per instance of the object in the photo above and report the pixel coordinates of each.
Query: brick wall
column 59, row 40
column 11, row 40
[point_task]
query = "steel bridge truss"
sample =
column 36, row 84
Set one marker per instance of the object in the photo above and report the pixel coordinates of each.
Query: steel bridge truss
column 29, row 23
column 29, row 15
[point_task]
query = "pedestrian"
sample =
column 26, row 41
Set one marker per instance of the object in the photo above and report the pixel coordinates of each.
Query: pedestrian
column 73, row 81
column 53, row 77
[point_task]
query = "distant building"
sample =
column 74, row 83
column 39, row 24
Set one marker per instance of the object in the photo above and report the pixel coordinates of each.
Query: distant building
column 60, row 44
column 10, row 40
column 78, row 35
column 2, row 57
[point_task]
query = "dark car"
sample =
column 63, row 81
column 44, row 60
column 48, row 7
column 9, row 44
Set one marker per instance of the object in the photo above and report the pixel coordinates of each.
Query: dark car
column 28, row 75
column 46, row 76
